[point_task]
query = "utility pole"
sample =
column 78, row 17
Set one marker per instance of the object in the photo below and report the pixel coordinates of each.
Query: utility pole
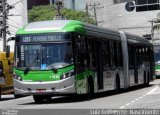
column 4, row 24
column 95, row 12
column 93, row 6
column 87, row 13
column 4, row 10
column 1, row 21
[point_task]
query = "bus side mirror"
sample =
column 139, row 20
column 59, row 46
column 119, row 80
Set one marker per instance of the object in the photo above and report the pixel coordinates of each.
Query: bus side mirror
column 7, row 51
column 11, row 38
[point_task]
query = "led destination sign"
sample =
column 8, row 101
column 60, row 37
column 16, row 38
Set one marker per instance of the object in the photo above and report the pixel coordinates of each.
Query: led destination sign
column 43, row 38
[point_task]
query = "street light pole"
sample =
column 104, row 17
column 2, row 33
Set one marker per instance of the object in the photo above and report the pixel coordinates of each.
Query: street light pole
column 152, row 28
column 152, row 31
column 59, row 5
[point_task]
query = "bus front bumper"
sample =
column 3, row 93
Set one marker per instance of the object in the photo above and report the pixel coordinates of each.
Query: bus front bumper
column 61, row 87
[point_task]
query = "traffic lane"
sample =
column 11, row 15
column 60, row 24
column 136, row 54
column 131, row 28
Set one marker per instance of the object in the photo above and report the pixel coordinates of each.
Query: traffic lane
column 9, row 101
column 106, row 100
column 150, row 100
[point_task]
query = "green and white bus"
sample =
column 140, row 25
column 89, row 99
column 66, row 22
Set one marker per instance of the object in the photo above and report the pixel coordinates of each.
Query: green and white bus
column 62, row 57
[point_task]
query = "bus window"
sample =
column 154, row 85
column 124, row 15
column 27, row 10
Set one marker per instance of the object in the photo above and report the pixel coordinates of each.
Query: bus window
column 81, row 49
column 106, row 53
column 119, row 54
column 91, row 49
column 115, row 53
column 131, row 55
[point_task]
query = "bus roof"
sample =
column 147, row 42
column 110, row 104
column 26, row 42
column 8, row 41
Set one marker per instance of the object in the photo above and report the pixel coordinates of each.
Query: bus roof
column 52, row 26
column 77, row 26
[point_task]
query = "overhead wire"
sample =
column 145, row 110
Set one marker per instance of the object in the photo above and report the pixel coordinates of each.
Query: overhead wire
column 17, row 9
column 14, row 22
column 21, row 5
column 13, row 26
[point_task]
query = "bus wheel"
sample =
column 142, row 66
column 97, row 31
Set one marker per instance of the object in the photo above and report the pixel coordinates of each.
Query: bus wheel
column 117, row 88
column 41, row 98
column 90, row 87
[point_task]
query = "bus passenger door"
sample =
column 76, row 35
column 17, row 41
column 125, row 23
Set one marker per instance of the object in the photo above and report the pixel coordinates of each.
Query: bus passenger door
column 99, row 64
column 80, row 64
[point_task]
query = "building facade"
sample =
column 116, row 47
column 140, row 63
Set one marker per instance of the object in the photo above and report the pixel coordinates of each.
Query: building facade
column 70, row 4
column 31, row 3
column 17, row 18
column 114, row 15
column 75, row 4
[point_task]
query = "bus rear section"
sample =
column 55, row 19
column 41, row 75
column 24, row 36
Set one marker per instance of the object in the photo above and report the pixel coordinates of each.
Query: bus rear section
column 157, row 60
column 6, row 73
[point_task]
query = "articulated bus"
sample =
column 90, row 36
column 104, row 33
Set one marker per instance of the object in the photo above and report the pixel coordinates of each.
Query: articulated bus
column 62, row 57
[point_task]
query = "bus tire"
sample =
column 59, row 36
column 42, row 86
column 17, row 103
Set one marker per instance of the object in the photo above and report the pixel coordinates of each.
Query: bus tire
column 41, row 98
column 90, row 87
column 117, row 84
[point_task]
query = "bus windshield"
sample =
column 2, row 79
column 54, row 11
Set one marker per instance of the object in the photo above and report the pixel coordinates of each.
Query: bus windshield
column 43, row 56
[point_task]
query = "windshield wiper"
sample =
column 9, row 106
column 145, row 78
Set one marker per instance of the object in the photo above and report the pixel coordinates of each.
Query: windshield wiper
column 54, row 69
column 26, row 70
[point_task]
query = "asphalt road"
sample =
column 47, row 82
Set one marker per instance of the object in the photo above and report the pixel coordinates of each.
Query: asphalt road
column 133, row 98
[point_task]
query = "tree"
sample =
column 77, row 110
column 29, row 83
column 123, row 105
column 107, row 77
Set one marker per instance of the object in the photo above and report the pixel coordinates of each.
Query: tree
column 47, row 12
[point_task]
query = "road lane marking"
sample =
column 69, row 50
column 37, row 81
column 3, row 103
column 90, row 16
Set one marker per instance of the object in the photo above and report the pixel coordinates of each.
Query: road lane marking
column 128, row 104
column 149, row 93
column 122, row 107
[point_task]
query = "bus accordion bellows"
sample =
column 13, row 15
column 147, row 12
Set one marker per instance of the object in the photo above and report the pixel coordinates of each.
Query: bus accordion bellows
column 62, row 57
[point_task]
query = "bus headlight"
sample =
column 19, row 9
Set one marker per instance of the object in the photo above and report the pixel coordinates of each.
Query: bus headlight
column 68, row 74
column 17, row 77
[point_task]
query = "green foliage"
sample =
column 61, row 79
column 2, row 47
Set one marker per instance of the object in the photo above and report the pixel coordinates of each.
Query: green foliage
column 41, row 13
column 47, row 12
